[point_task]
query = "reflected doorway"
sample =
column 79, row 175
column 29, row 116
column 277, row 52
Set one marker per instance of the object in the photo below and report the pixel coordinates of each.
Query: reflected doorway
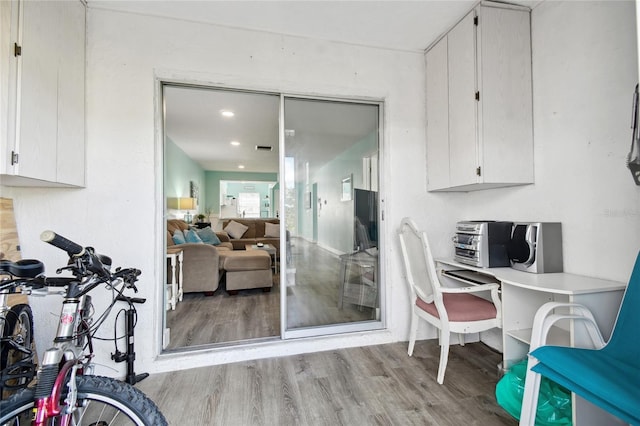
column 337, row 224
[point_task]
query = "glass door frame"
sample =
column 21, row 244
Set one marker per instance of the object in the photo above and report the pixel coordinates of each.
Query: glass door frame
column 285, row 334
column 333, row 329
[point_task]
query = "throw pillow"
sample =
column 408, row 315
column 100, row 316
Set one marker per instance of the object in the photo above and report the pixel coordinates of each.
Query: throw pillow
column 178, row 237
column 208, row 236
column 271, row 230
column 235, row 229
column 191, row 236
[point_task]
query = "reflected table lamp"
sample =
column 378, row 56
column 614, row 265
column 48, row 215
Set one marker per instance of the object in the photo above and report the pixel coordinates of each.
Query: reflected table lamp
column 183, row 204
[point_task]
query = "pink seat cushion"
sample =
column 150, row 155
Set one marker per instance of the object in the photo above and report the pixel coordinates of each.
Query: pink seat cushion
column 461, row 307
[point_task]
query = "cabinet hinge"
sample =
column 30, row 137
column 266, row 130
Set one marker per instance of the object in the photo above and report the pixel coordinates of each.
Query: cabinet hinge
column 478, row 171
column 475, row 21
column 17, row 50
column 14, row 158
column 477, row 96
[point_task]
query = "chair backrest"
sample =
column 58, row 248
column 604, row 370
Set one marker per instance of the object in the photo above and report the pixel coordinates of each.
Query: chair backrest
column 624, row 343
column 418, row 262
column 361, row 236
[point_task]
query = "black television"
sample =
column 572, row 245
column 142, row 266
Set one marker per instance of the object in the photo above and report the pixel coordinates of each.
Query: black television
column 365, row 212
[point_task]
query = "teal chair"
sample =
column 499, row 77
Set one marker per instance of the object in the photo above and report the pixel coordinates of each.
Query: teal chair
column 607, row 376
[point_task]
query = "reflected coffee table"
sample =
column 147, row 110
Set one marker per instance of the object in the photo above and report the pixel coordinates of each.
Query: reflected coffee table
column 269, row 249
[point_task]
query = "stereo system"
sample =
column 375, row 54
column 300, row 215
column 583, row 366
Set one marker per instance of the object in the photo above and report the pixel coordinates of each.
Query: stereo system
column 526, row 246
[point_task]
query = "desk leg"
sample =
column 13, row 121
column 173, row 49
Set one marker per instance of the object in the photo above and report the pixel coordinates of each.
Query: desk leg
column 342, row 278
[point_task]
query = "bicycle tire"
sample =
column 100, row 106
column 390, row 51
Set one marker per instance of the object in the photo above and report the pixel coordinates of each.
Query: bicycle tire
column 101, row 401
column 18, row 326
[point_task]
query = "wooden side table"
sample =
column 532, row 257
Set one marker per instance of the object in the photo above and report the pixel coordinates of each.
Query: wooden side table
column 174, row 291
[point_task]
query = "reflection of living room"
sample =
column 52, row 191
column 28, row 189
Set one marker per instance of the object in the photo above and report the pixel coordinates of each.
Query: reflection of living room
column 218, row 191
column 328, row 283
column 245, row 198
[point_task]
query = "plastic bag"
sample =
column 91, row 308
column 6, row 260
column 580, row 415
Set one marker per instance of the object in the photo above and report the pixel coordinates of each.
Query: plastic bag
column 554, row 401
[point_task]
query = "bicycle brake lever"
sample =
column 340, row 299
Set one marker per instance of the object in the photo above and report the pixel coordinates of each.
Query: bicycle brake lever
column 71, row 268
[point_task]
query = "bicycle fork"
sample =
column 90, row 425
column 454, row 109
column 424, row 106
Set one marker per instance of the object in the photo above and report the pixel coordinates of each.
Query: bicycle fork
column 53, row 380
column 51, row 384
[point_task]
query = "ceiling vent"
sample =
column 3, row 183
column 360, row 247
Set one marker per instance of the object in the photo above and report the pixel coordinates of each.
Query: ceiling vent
column 264, row 148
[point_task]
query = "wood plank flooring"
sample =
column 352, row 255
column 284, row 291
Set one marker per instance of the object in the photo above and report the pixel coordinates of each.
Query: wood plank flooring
column 373, row 385
column 201, row 320
column 252, row 314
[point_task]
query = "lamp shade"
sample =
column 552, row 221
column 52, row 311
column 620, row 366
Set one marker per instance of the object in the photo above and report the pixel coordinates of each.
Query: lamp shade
column 181, row 203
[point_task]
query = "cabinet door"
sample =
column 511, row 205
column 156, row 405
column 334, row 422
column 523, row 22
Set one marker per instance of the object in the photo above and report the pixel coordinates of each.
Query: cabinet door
column 462, row 103
column 437, row 105
column 71, row 112
column 504, row 81
column 46, row 116
column 36, row 125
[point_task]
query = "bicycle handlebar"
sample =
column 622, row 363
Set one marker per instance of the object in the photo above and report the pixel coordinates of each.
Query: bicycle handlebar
column 93, row 262
column 84, row 262
column 73, row 249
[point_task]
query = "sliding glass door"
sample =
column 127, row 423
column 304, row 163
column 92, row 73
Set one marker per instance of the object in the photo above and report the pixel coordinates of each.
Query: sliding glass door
column 332, row 267
column 310, row 166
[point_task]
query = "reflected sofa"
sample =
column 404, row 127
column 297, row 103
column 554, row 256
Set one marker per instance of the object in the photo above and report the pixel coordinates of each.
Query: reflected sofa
column 202, row 264
column 256, row 232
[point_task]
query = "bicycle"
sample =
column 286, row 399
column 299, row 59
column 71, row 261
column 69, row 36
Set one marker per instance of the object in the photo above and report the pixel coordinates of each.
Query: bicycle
column 17, row 367
column 66, row 392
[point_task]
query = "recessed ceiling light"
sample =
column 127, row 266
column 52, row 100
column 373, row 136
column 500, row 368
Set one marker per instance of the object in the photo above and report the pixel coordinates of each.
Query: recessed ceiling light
column 235, row 143
column 240, row 166
column 227, row 113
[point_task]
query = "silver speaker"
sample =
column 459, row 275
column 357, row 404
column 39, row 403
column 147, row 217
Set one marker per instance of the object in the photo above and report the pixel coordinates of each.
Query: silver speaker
column 536, row 247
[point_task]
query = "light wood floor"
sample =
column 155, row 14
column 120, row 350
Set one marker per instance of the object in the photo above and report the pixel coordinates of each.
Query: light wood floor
column 374, row 385
column 253, row 314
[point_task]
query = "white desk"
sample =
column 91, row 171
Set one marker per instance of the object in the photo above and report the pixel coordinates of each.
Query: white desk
column 523, row 293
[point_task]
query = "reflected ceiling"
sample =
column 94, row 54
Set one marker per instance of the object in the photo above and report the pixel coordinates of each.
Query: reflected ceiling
column 193, row 121
column 316, row 131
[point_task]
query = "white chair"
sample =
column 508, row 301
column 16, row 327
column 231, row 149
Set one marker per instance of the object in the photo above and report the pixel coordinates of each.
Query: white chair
column 450, row 309
column 607, row 375
column 364, row 260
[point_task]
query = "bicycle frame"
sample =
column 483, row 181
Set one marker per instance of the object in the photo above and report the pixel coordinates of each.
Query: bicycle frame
column 67, row 392
column 4, row 308
column 66, row 359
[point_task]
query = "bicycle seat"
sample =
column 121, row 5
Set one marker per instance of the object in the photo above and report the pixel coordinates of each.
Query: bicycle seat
column 26, row 268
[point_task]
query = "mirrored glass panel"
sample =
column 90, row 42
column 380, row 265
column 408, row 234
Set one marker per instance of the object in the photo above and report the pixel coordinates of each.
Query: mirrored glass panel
column 221, row 162
column 250, row 253
column 331, row 213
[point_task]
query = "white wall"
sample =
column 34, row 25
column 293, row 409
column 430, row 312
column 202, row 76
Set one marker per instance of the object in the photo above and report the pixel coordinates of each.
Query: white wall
column 118, row 211
column 584, row 72
column 585, row 66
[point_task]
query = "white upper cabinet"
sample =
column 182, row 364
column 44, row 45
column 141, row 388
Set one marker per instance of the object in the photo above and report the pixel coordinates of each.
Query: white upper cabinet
column 43, row 141
column 479, row 102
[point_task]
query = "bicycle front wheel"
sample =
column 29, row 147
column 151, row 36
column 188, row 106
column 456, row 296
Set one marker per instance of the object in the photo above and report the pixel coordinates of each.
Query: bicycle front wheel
column 101, row 401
